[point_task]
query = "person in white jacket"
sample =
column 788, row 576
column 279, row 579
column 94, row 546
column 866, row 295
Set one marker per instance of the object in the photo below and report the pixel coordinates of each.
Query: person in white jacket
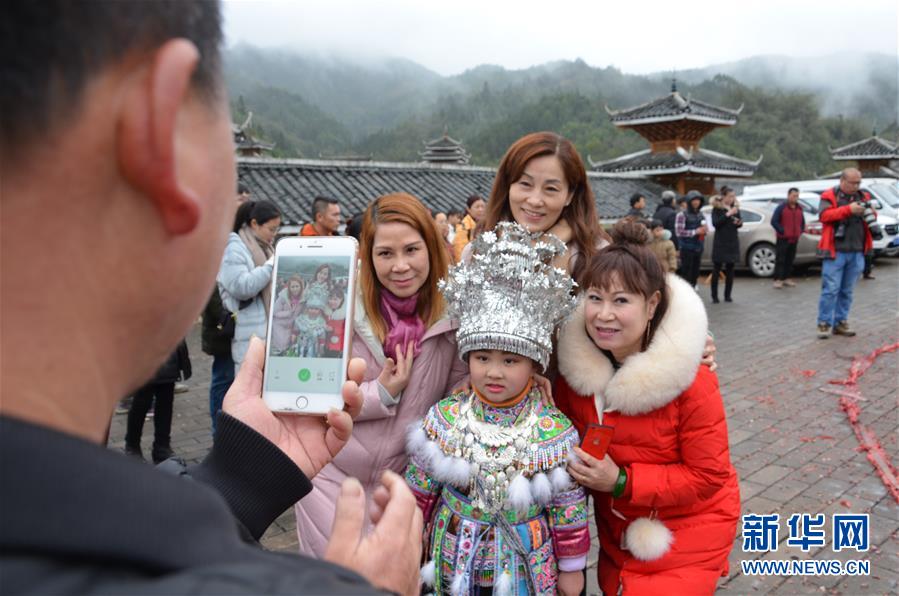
column 245, row 276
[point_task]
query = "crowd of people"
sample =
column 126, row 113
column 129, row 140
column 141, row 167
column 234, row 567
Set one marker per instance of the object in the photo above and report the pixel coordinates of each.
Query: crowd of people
column 474, row 374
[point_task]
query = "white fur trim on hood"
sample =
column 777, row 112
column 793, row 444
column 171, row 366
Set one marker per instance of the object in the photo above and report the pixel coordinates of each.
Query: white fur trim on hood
column 650, row 379
column 648, row 539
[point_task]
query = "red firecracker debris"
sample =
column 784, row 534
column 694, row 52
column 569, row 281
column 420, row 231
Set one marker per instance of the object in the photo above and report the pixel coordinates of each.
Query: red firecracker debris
column 868, row 441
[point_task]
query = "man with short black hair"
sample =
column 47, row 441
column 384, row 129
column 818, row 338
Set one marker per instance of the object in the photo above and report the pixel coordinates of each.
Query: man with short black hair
column 116, row 137
column 326, row 213
column 638, row 203
column 845, row 238
column 788, row 222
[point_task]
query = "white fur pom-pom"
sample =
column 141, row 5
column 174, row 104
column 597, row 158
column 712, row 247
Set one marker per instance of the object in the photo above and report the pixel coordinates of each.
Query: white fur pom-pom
column 415, row 439
column 572, row 457
column 503, row 585
column 648, row 539
column 519, row 495
column 429, row 574
column 541, row 489
column 560, row 479
column 441, row 466
column 458, row 588
column 460, row 472
column 431, row 454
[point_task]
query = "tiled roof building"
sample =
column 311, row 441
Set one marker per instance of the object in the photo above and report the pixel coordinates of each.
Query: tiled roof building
column 873, row 155
column 293, row 183
column 674, row 125
column 445, row 150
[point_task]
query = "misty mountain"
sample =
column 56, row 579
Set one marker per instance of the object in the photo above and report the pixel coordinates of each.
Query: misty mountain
column 363, row 96
column 860, row 85
column 370, row 95
column 312, row 105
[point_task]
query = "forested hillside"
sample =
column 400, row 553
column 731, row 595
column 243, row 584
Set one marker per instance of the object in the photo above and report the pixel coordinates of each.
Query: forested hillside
column 313, row 106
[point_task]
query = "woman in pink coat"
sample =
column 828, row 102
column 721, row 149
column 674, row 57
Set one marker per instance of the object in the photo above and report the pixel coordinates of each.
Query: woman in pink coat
column 402, row 332
column 288, row 306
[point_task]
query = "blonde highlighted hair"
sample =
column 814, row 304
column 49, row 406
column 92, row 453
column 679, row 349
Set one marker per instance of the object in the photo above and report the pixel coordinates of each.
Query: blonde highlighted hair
column 405, row 209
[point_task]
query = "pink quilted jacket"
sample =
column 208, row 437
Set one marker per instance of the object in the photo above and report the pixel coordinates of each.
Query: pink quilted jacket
column 379, row 433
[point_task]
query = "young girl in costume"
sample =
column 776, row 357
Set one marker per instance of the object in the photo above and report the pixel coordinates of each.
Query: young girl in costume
column 311, row 326
column 488, row 466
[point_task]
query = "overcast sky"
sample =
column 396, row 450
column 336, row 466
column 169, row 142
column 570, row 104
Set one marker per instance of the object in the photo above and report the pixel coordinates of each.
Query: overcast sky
column 450, row 36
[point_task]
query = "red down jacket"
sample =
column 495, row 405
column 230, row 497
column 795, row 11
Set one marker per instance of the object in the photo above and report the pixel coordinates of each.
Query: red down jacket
column 673, row 529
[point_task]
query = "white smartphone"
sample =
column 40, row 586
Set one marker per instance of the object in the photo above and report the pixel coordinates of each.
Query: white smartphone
column 310, row 324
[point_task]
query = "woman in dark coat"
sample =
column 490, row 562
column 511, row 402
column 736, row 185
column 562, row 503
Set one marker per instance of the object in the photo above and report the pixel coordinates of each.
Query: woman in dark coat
column 726, row 220
column 161, row 389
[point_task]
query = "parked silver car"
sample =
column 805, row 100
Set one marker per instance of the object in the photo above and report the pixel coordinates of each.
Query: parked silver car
column 758, row 238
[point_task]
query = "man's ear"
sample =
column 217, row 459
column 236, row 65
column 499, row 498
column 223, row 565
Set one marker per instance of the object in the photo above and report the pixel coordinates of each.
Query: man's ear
column 145, row 135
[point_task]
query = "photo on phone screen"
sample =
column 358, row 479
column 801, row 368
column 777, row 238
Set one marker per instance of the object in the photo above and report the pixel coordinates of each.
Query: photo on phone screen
column 308, row 323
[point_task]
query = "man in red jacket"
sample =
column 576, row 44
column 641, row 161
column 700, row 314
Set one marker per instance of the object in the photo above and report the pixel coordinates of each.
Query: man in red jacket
column 789, row 223
column 844, row 241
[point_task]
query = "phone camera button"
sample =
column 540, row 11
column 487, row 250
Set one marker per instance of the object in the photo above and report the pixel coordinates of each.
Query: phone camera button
column 302, row 402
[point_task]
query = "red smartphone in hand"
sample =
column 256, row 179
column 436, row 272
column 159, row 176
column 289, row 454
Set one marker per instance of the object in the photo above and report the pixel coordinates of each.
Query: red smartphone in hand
column 597, row 439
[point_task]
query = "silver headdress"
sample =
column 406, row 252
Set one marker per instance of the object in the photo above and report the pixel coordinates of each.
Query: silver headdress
column 509, row 296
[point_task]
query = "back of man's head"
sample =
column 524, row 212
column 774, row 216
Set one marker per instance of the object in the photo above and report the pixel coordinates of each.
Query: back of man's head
column 51, row 49
column 668, row 197
column 116, row 138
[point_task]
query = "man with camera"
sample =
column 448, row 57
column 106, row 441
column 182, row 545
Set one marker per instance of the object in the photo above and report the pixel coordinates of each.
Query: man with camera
column 849, row 228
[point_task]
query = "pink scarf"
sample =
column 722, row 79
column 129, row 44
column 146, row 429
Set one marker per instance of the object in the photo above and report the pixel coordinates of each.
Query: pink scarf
column 403, row 323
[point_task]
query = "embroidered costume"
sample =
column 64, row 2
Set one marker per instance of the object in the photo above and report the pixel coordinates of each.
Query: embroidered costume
column 312, row 329
column 465, row 478
column 490, row 479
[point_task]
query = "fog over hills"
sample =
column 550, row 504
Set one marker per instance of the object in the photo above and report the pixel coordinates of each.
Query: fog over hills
column 322, row 104
column 852, row 84
column 366, row 94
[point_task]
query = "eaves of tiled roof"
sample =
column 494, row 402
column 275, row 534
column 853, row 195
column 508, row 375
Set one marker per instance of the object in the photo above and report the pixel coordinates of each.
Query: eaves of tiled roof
column 870, row 148
column 700, row 161
column 292, row 184
column 674, row 107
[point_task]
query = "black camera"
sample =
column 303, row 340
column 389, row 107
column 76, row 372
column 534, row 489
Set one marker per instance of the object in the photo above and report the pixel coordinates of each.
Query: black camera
column 871, row 221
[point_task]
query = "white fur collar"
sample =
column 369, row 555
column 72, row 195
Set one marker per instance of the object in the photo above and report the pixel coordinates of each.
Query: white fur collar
column 650, row 379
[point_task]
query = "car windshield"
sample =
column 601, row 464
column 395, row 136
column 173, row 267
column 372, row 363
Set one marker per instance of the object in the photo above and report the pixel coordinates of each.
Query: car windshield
column 888, row 193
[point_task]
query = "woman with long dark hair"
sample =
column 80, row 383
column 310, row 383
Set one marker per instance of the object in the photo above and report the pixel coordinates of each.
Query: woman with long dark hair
column 541, row 183
column 246, row 273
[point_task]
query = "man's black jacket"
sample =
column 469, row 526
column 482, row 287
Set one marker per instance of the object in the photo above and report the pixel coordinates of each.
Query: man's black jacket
column 76, row 518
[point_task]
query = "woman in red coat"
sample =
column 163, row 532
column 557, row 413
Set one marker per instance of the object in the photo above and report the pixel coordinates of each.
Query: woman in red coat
column 666, row 495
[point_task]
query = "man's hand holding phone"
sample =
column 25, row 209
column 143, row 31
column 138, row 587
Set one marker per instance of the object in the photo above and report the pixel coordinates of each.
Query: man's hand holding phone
column 310, row 441
column 389, row 555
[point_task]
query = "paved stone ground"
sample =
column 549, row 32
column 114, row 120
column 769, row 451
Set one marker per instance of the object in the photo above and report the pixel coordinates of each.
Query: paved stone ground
column 792, row 446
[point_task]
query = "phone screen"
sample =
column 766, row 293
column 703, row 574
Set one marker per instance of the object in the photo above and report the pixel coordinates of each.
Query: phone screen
column 308, row 320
